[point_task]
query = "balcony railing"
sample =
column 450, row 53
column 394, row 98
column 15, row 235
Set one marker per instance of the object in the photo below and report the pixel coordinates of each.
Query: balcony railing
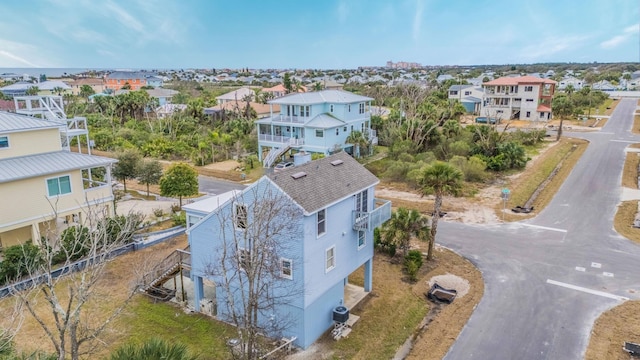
column 295, row 119
column 281, row 139
column 363, row 220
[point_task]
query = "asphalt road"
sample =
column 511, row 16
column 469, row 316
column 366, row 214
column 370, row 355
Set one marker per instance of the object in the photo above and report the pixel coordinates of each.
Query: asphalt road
column 213, row 186
column 547, row 279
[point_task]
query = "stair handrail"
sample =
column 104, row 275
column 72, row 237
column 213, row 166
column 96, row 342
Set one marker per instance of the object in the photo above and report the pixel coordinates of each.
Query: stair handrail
column 178, row 257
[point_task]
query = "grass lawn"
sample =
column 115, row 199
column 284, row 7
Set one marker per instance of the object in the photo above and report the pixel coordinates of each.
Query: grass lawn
column 204, row 336
column 568, row 151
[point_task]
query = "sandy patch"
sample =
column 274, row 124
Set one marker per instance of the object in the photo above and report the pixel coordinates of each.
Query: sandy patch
column 226, row 165
column 450, row 281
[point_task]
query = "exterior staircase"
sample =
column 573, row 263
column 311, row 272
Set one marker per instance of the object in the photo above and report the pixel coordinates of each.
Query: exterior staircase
column 274, row 154
column 166, row 269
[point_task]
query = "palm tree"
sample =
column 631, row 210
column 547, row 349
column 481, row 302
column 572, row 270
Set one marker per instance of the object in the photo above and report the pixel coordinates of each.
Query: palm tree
column 439, row 179
column 358, row 140
column 33, row 90
column 403, row 225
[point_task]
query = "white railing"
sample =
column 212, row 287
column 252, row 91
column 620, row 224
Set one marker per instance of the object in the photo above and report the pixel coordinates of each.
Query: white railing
column 271, row 157
column 289, row 118
column 281, row 139
column 370, row 220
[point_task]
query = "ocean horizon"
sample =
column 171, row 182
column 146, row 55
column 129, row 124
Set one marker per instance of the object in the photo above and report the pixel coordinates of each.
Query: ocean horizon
column 60, row 72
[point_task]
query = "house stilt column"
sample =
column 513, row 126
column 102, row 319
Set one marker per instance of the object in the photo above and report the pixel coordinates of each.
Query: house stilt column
column 198, row 290
column 368, row 275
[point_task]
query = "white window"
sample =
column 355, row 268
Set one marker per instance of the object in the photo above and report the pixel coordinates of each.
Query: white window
column 349, row 107
column 362, row 201
column 528, row 88
column 467, row 92
column 361, row 239
column 330, row 259
column 331, row 108
column 529, row 100
column 361, row 108
column 322, row 221
column 319, row 133
column 244, row 259
column 528, row 114
column 344, row 129
column 4, row 142
column 192, row 220
column 453, row 92
column 286, row 268
column 241, row 216
column 59, row 186
column 337, row 131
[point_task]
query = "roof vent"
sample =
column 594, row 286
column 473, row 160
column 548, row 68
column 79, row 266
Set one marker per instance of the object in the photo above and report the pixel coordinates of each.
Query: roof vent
column 298, row 175
column 337, row 162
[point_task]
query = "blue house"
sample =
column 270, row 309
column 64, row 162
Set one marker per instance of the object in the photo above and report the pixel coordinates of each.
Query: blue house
column 324, row 234
column 314, row 122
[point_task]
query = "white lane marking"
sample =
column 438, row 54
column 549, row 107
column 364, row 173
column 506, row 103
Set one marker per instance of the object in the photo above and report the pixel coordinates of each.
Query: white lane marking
column 545, row 228
column 624, row 141
column 607, row 274
column 580, row 268
column 596, row 265
column 586, row 290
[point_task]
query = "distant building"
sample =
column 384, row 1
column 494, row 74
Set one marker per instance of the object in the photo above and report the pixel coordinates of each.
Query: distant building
column 135, row 79
column 44, row 88
column 314, row 122
column 403, row 65
column 470, row 96
column 96, row 84
column 519, row 98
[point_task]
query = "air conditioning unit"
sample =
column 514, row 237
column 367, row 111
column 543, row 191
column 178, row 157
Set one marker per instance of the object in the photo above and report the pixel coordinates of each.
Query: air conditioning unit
column 207, row 307
column 340, row 314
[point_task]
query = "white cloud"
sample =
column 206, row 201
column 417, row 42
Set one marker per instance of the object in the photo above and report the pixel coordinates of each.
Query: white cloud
column 20, row 61
column 619, row 39
column 343, row 12
column 550, row 46
column 417, row 19
column 15, row 54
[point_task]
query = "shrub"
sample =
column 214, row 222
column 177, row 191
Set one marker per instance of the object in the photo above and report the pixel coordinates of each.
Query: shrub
column 74, row 244
column 459, row 148
column 381, row 245
column 179, row 219
column 175, row 208
column 158, row 213
column 18, row 259
column 413, row 263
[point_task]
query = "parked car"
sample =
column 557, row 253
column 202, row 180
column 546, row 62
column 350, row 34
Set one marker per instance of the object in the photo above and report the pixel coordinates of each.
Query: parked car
column 283, row 165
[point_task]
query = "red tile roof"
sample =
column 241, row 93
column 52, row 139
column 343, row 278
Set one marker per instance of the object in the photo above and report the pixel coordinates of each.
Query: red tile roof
column 519, row 80
column 544, row 108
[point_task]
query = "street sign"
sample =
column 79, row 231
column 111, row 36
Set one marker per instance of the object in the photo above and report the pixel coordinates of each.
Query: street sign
column 505, row 194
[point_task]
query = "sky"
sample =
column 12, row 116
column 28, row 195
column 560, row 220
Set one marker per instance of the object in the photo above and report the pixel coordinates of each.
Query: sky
column 314, row 34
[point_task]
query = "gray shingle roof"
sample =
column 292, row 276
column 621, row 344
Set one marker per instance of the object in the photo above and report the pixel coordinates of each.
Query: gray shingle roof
column 10, row 122
column 324, row 183
column 459, row 87
column 324, row 121
column 320, row 97
column 25, row 167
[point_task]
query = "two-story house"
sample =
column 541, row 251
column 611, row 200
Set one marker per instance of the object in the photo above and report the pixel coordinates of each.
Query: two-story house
column 519, row 98
column 330, row 236
column 470, row 96
column 43, row 185
column 315, row 122
column 97, row 85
